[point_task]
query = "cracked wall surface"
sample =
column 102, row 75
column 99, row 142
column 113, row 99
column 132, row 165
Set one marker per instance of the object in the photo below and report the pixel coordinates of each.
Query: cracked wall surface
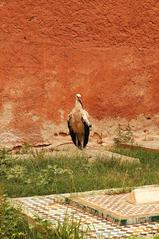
column 50, row 50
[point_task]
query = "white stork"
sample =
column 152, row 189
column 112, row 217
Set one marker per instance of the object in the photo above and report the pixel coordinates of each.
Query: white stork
column 78, row 124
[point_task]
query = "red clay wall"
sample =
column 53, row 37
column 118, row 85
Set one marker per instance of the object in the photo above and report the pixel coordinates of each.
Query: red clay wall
column 107, row 50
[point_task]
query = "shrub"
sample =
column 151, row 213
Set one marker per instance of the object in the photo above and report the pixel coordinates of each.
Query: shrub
column 13, row 225
column 124, row 135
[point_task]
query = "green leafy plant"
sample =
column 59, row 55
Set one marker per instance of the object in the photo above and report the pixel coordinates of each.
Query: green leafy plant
column 25, row 149
column 39, row 155
column 68, row 229
column 124, row 135
column 6, row 162
column 13, row 225
column 16, row 173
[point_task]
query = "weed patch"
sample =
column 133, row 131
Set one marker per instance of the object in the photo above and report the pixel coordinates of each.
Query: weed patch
column 41, row 174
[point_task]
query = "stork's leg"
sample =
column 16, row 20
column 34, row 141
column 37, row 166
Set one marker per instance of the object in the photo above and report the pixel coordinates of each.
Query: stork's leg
column 79, row 139
column 78, row 144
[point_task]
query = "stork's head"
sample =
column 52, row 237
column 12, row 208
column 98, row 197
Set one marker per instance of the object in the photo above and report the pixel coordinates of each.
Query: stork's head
column 78, row 99
column 78, row 96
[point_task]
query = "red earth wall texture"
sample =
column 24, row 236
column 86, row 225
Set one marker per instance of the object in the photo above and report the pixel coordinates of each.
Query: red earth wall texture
column 50, row 50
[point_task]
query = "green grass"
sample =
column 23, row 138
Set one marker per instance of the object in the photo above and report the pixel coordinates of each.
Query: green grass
column 148, row 170
column 41, row 174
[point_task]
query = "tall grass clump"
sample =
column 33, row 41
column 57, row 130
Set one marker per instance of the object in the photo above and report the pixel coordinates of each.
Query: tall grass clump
column 13, row 224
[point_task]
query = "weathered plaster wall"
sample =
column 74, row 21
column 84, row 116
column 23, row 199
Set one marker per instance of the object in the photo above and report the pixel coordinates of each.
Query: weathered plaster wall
column 49, row 50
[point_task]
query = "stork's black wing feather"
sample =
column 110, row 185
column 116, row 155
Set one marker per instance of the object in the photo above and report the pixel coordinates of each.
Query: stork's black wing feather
column 73, row 135
column 86, row 134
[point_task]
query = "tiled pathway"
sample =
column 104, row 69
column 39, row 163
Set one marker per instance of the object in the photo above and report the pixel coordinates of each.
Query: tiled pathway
column 47, row 207
column 119, row 208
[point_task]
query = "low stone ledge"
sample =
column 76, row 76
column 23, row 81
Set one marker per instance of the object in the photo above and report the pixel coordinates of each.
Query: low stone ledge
column 91, row 154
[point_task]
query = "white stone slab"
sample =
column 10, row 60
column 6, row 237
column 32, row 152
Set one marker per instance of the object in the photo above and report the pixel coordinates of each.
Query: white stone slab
column 148, row 194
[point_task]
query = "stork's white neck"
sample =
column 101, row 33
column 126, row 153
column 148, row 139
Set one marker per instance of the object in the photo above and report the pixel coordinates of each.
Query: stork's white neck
column 78, row 104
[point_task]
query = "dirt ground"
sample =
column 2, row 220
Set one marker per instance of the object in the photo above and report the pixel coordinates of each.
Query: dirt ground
column 143, row 131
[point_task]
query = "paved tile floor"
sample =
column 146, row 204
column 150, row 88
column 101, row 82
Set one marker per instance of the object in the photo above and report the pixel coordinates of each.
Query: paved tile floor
column 119, row 206
column 47, row 207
